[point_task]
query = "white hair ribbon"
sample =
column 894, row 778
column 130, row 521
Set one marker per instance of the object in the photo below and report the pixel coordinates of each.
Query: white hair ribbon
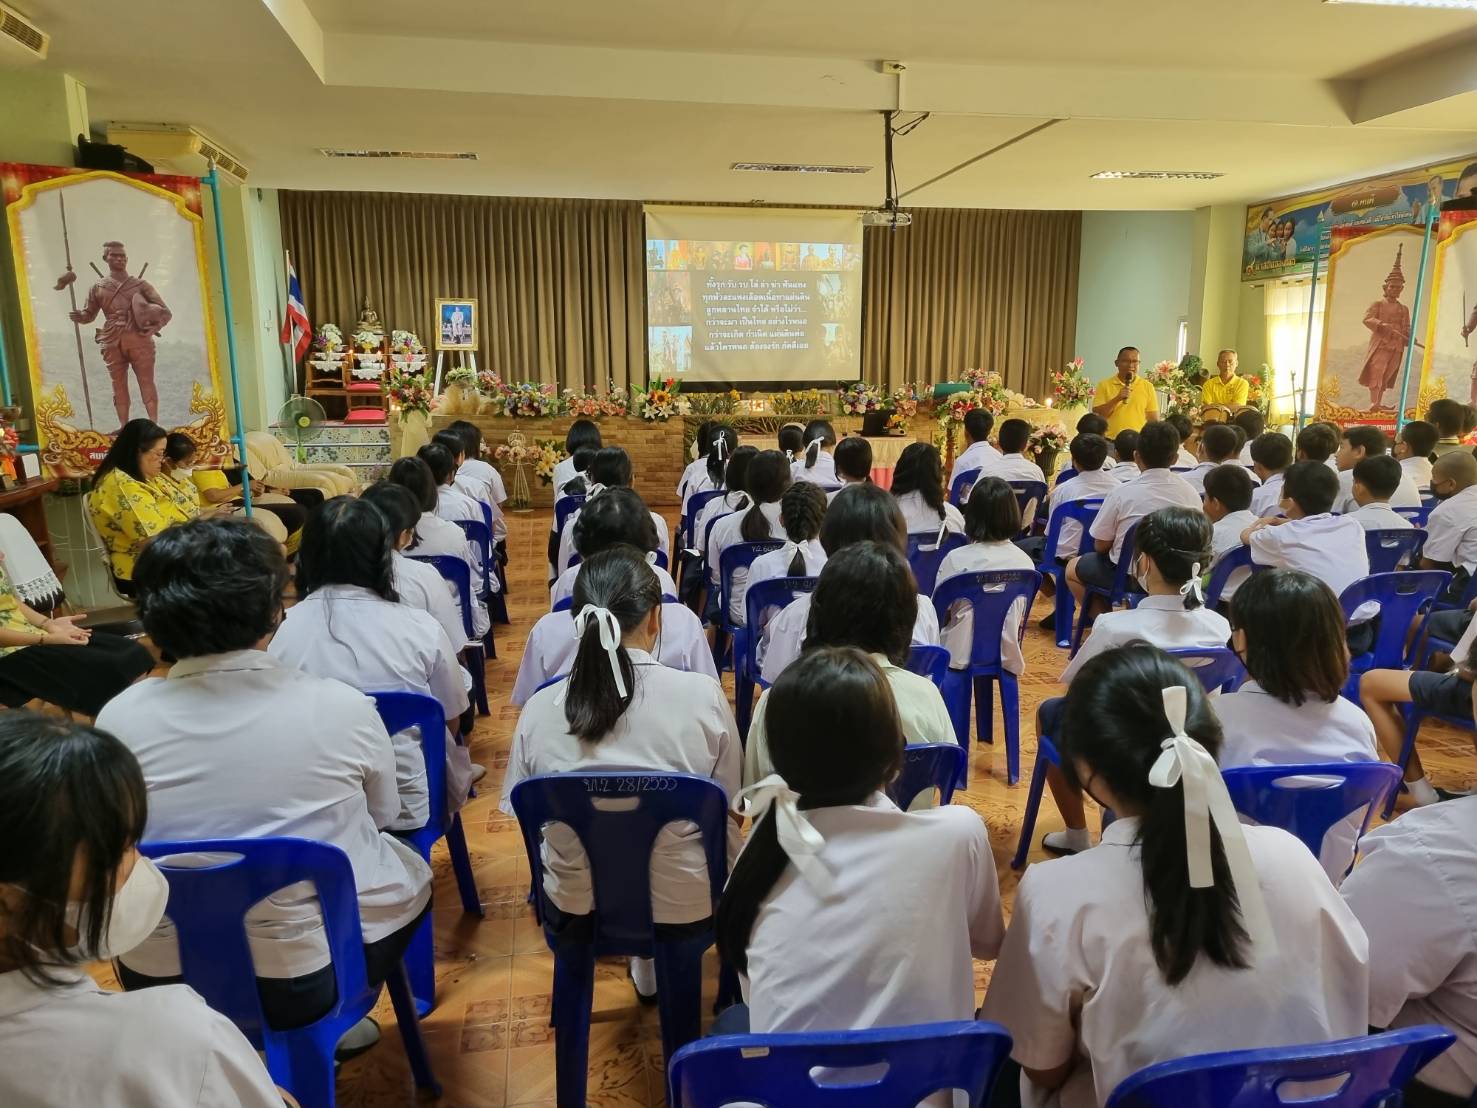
column 1192, row 586
column 938, row 540
column 1184, row 761
column 610, row 637
column 815, row 445
column 720, row 447
column 651, row 557
column 789, row 455
column 593, row 491
column 798, row 838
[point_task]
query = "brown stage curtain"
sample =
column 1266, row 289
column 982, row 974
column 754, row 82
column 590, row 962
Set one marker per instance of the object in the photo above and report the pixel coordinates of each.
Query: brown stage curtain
column 559, row 284
column 971, row 288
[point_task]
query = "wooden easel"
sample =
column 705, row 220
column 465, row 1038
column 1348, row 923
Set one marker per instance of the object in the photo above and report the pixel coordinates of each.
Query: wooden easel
column 468, row 358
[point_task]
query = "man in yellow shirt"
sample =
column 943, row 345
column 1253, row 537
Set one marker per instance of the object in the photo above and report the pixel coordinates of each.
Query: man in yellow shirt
column 1227, row 388
column 1126, row 400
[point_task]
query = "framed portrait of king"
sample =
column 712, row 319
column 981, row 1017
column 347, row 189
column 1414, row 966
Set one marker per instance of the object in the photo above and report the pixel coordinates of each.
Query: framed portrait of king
column 456, row 324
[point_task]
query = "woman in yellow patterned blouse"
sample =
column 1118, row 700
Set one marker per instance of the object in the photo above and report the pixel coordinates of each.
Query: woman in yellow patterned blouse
column 56, row 661
column 128, row 504
column 210, row 491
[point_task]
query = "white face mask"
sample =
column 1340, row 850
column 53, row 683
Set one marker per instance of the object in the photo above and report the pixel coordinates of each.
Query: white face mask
column 184, row 472
column 1140, row 574
column 137, row 909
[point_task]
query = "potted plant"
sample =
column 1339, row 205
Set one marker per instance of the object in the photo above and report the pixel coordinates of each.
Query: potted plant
column 1046, row 442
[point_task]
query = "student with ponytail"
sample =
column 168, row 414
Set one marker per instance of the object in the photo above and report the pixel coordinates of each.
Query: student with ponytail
column 768, row 478
column 815, row 462
column 1184, row 932
column 878, row 922
column 801, row 510
column 706, row 473
column 621, row 709
column 610, row 469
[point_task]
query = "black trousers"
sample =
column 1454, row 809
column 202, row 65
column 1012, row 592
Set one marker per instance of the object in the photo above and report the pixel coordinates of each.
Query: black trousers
column 77, row 678
column 292, row 1002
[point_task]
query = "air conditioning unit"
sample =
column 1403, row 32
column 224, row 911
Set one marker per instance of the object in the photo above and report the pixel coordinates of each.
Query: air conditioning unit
column 177, row 148
column 20, row 39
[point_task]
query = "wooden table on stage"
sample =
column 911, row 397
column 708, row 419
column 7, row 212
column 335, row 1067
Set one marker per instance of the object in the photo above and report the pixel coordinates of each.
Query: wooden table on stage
column 24, row 502
column 886, row 449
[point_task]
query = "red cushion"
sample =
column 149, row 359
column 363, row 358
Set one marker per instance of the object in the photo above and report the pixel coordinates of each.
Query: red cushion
column 366, row 387
column 365, row 415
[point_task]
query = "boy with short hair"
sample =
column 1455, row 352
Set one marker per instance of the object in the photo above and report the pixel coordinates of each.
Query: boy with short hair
column 977, row 426
column 1357, row 445
column 1317, row 442
column 1219, row 443
column 1271, row 454
column 1446, row 416
column 1092, row 482
column 1125, row 449
column 1375, row 481
column 1011, row 463
column 1253, row 424
column 1227, row 500
column 1413, row 452
column 1182, row 424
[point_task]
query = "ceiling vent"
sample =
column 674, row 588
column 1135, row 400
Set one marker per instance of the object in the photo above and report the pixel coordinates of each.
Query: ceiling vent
column 797, row 167
column 20, row 39
column 412, row 155
column 177, row 148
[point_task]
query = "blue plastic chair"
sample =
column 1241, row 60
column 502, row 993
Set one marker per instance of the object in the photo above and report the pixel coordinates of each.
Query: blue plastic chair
column 929, row 661
column 1220, row 670
column 1120, row 592
column 695, row 505
column 781, row 1071
column 1029, row 497
column 401, row 711
column 497, row 602
column 1389, row 547
column 990, row 595
column 208, row 904
column 565, row 507
column 740, row 555
column 773, row 593
column 1306, row 808
column 476, row 651
column 960, row 489
column 1221, row 571
column 1064, row 475
column 1414, row 717
column 928, row 766
column 617, row 838
column 1375, row 1068
column 480, row 534
column 1083, row 512
column 1418, row 516
column 1403, row 598
column 926, row 552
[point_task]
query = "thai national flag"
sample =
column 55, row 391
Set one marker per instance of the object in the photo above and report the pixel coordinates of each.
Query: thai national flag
column 297, row 329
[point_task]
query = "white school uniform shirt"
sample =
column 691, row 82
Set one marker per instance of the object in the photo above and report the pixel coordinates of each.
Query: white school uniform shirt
column 1185, row 460
column 957, row 634
column 696, row 479
column 564, row 586
column 676, row 723
column 1127, row 504
column 352, row 635
column 436, row 536
column 1261, row 730
column 1196, row 477
column 479, row 470
column 1093, row 485
column 1406, row 495
column 1076, row 976
column 478, row 490
column 418, row 585
column 719, row 506
column 1413, row 892
column 1267, row 500
column 973, row 456
column 916, row 900
column 239, row 746
column 1012, row 467
column 551, row 647
column 1163, row 621
column 776, row 563
column 564, row 472
column 784, row 635
column 919, row 517
column 1329, row 547
column 1419, row 471
column 727, row 532
column 822, row 473
column 566, row 540
column 1451, row 530
column 74, row 1044
column 1225, row 536
column 1124, row 472
column 1245, row 456
column 1377, row 515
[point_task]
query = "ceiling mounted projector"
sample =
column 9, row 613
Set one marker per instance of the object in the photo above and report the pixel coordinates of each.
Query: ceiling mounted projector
column 887, row 217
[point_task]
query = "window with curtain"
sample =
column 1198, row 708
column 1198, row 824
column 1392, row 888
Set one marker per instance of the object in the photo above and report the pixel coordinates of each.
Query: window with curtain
column 1291, row 313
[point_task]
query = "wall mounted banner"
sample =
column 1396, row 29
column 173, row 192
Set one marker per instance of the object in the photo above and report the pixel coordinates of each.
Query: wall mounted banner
column 111, row 270
column 1450, row 361
column 1283, row 236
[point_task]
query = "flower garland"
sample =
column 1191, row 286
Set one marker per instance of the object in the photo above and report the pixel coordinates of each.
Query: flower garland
column 1070, row 387
column 861, row 397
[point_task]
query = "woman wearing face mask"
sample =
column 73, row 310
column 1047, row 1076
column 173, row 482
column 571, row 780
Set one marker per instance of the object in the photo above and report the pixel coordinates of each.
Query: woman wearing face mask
column 209, row 492
column 73, row 890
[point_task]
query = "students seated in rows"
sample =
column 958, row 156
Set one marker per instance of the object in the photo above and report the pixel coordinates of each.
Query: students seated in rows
column 815, row 462
column 1013, row 465
column 698, row 476
column 853, row 463
column 453, row 505
column 1253, row 425
column 1185, row 459
column 1288, row 630
column 977, row 450
column 611, row 469
column 1149, row 947
column 348, row 624
column 1357, row 444
column 1218, row 446
column 417, row 584
column 1271, row 454
column 1125, row 449
column 866, row 598
column 1093, row 424
column 73, row 890
column 475, row 470
column 582, row 434
column 1093, row 482
column 878, row 926
column 801, row 510
column 862, row 513
column 617, row 515
column 1412, row 893
column 127, row 505
column 1227, row 504
column 552, row 643
column 1451, row 528
column 1413, row 452
column 437, row 536
column 992, row 518
column 1318, row 442
column 768, row 477
column 1173, row 550
column 1156, row 487
column 234, row 744
column 918, row 484
column 622, row 709
column 1446, row 416
column 734, row 498
column 1375, row 480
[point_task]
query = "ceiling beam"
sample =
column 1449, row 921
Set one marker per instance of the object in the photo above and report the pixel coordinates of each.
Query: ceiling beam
column 303, row 29
column 1417, row 83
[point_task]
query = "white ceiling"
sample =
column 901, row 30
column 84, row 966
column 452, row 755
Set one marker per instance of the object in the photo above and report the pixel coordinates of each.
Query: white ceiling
column 652, row 100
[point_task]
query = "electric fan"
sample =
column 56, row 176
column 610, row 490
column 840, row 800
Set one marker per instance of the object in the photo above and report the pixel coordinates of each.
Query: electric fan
column 303, row 418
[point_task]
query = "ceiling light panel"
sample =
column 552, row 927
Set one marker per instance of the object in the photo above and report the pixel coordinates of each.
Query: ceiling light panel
column 1155, row 175
column 797, row 167
column 413, row 155
column 1452, row 5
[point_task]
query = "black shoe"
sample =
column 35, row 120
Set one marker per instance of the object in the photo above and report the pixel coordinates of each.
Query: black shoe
column 1448, row 794
column 641, row 998
column 1048, row 623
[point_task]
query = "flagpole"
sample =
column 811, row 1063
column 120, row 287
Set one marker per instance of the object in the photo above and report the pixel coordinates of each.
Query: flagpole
column 289, row 348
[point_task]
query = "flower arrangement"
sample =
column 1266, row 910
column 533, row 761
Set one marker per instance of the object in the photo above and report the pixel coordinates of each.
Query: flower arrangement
column 328, row 338
column 1168, row 377
column 489, row 383
column 517, row 455
column 904, row 402
column 991, row 394
column 550, row 454
column 660, row 401
column 9, row 440
column 715, row 403
column 803, row 402
column 590, row 405
column 367, row 341
column 410, row 393
column 462, row 375
column 405, row 343
column 1070, row 387
column 1047, row 438
column 859, row 397
column 1258, row 394
column 531, row 400
column 958, row 405
column 897, row 423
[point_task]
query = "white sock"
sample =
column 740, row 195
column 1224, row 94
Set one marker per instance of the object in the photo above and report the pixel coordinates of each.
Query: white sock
column 1422, row 792
column 643, row 972
column 1072, row 838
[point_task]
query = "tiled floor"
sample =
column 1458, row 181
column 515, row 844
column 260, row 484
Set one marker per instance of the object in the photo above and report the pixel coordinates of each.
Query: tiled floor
column 489, row 1037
